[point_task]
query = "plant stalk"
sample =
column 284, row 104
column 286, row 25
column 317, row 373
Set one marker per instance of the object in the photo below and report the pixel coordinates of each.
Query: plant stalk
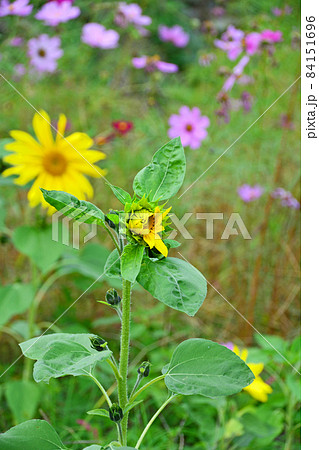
column 152, row 420
column 124, row 353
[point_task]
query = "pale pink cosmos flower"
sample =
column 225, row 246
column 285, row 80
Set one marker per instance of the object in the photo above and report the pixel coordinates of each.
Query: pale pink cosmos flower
column 44, row 51
column 96, row 35
column 132, row 14
column 19, row 70
column 54, row 12
column 286, row 197
column 190, row 125
column 176, row 35
column 250, row 193
column 152, row 63
column 17, row 8
column 236, row 74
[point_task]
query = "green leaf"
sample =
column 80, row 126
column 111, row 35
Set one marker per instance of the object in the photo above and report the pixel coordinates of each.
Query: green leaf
column 93, row 447
column 37, row 244
column 3, row 143
column 164, row 176
column 74, row 208
column 131, row 260
column 99, row 412
column 174, row 282
column 23, row 398
column 171, row 243
column 112, row 266
column 31, row 435
column 120, row 194
column 14, row 299
column 62, row 354
column 200, row 366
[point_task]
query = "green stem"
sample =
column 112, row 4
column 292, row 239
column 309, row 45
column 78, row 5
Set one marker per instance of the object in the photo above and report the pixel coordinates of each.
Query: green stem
column 124, row 353
column 133, row 397
column 115, row 370
column 113, row 238
column 138, row 380
column 96, row 381
column 152, row 420
column 120, row 433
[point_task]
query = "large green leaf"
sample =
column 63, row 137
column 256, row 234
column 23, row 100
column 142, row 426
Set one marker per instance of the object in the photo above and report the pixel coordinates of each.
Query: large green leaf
column 38, row 245
column 164, row 176
column 22, row 397
column 31, row 435
column 200, row 366
column 74, row 208
column 62, row 354
column 14, row 299
column 131, row 260
column 174, row 282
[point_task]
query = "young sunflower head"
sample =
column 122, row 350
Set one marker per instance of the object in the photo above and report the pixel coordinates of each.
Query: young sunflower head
column 54, row 164
column 146, row 223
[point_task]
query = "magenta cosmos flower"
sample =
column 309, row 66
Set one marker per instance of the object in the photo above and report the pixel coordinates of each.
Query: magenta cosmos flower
column 234, row 42
column 249, row 193
column 236, row 74
column 176, row 35
column 152, row 63
column 95, row 35
column 53, row 13
column 132, row 14
column 44, row 51
column 190, row 125
column 271, row 36
column 17, row 8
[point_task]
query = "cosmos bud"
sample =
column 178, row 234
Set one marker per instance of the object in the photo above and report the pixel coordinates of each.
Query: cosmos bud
column 112, row 298
column 144, row 369
column 116, row 413
column 98, row 343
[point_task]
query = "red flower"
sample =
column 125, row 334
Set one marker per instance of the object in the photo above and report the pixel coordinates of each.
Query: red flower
column 122, row 126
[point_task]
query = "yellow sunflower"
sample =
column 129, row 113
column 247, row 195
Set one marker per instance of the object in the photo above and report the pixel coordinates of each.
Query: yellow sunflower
column 54, row 164
column 258, row 389
column 148, row 225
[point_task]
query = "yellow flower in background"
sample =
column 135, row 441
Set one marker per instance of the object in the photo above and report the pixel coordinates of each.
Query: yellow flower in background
column 258, row 389
column 146, row 224
column 53, row 164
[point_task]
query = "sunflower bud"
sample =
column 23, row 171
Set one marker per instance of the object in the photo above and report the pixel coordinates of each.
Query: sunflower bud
column 98, row 343
column 144, row 369
column 116, row 413
column 112, row 298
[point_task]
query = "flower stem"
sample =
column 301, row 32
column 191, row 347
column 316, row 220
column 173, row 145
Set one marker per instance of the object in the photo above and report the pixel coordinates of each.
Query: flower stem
column 136, row 394
column 96, row 381
column 113, row 238
column 124, row 353
column 152, row 420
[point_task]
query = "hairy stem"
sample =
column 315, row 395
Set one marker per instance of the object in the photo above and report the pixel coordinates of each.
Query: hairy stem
column 124, row 353
column 158, row 412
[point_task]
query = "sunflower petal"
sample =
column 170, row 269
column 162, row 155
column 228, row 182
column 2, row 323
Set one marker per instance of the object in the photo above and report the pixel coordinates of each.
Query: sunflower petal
column 42, row 128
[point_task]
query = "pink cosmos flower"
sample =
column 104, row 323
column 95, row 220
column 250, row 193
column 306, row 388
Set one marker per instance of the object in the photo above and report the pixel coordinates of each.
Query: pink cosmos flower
column 249, row 193
column 96, row 35
column 271, row 36
column 252, row 43
column 54, row 12
column 44, row 51
column 218, row 11
column 286, row 197
column 152, row 63
column 190, row 125
column 132, row 14
column 236, row 74
column 16, row 41
column 176, row 35
column 16, row 8
column 206, row 59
